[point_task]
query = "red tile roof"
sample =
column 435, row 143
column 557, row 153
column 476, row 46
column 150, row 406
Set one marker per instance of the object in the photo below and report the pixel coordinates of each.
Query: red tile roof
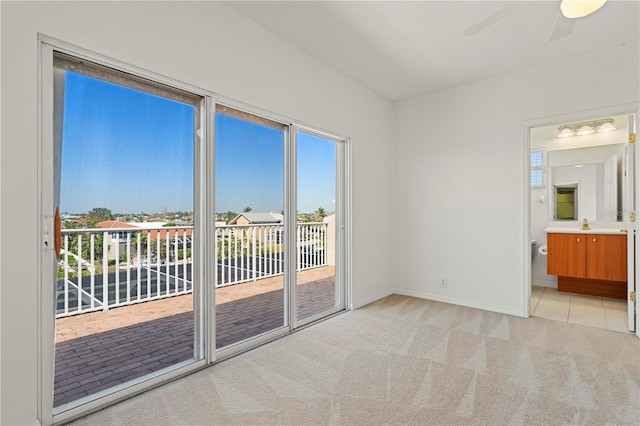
column 109, row 224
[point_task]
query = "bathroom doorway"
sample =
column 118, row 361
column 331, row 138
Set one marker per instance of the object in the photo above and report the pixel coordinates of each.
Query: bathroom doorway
column 581, row 167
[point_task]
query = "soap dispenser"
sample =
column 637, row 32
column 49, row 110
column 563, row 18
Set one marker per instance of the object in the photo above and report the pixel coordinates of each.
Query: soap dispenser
column 585, row 225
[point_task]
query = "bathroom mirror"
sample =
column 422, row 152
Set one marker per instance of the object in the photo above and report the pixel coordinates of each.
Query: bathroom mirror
column 586, row 183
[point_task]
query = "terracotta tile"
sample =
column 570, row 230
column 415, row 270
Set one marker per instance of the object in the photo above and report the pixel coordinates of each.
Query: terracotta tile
column 97, row 350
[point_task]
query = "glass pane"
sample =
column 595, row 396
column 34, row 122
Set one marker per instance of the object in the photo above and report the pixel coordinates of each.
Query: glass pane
column 536, row 177
column 316, row 286
column 124, row 301
column 536, row 159
column 249, row 190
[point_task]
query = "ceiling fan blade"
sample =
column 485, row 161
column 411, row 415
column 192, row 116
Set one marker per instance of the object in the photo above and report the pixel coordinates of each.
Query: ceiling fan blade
column 492, row 19
column 562, row 28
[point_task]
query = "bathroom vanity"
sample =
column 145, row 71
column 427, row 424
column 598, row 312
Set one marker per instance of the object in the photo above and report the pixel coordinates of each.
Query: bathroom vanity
column 592, row 262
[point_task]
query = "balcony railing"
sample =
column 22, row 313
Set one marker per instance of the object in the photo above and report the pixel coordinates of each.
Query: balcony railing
column 101, row 269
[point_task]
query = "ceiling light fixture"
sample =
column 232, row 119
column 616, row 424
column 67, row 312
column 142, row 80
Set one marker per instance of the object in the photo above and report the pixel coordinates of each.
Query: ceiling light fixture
column 565, row 132
column 586, row 128
column 606, row 127
column 580, row 8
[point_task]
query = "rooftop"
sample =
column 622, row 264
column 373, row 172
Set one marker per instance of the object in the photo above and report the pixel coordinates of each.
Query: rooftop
column 259, row 218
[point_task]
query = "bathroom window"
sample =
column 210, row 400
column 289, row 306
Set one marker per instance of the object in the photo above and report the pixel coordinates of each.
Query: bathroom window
column 537, row 169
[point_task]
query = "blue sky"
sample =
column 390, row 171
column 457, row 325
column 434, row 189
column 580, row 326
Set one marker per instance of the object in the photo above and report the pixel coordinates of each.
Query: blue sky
column 316, row 173
column 133, row 152
column 125, row 150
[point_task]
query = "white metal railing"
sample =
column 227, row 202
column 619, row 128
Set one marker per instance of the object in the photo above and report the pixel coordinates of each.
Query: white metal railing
column 101, row 269
column 250, row 252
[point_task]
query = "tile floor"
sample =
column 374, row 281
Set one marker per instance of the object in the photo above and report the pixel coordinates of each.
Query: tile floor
column 600, row 312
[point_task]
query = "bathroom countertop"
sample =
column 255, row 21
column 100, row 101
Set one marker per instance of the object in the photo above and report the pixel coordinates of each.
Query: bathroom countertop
column 581, row 231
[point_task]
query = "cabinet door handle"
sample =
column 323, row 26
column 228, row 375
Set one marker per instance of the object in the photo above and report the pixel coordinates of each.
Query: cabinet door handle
column 577, row 240
column 594, row 240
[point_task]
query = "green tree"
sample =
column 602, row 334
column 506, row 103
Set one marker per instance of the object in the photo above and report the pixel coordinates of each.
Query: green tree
column 306, row 217
column 97, row 215
column 321, row 213
column 72, row 245
column 72, row 224
column 228, row 216
column 246, row 209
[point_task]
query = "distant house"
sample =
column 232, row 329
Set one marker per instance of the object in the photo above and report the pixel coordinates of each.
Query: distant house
column 120, row 236
column 271, row 229
column 171, row 234
column 250, row 218
column 162, row 234
column 117, row 238
column 69, row 216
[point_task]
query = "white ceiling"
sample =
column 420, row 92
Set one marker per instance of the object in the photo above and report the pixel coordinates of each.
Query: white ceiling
column 401, row 49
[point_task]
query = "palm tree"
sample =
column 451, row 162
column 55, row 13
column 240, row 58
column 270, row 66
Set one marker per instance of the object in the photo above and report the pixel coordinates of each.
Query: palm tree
column 321, row 213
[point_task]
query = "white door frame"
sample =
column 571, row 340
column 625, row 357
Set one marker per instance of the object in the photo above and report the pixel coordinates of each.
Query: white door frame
column 632, row 109
column 632, row 282
column 46, row 258
column 341, row 299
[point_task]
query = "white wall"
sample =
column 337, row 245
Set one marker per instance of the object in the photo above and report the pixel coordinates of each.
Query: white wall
column 205, row 44
column 460, row 169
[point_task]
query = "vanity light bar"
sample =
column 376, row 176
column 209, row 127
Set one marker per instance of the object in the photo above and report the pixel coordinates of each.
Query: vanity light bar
column 586, row 128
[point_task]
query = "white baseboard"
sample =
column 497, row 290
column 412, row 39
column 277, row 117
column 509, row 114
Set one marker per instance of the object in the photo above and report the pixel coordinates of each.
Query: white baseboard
column 438, row 298
column 360, row 303
column 461, row 302
column 543, row 283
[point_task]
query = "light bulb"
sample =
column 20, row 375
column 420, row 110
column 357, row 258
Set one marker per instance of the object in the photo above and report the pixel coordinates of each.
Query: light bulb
column 565, row 133
column 585, row 130
column 606, row 127
column 580, row 8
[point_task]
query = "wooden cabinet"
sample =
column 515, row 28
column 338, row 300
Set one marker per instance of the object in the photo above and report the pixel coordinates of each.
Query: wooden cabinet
column 567, row 255
column 589, row 263
column 594, row 256
column 607, row 257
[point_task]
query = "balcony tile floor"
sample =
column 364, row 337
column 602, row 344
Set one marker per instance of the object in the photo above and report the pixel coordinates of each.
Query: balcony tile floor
column 99, row 350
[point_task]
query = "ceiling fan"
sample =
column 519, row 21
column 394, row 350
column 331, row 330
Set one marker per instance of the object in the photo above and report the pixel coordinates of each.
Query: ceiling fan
column 570, row 11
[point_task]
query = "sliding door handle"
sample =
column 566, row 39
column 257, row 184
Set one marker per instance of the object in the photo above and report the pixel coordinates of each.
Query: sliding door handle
column 57, row 233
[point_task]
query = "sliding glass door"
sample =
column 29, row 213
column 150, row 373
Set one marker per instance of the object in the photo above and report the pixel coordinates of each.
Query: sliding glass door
column 175, row 231
column 318, row 206
column 124, row 190
column 271, row 272
column 250, row 246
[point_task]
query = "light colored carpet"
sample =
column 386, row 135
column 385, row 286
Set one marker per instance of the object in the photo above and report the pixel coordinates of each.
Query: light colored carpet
column 403, row 360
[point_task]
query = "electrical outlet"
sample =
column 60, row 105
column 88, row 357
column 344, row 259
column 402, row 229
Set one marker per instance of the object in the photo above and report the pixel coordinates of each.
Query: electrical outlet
column 443, row 283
